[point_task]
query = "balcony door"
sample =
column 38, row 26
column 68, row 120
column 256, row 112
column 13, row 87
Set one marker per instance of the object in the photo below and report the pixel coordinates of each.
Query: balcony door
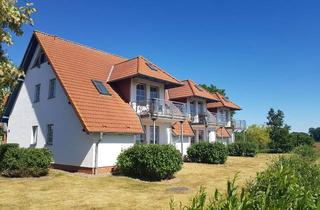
column 154, row 92
column 141, row 94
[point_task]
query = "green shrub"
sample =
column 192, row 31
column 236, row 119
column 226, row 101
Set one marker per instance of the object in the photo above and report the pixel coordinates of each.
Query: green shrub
column 3, row 149
column 288, row 183
column 243, row 148
column 300, row 138
column 205, row 152
column 150, row 162
column 25, row 162
column 306, row 151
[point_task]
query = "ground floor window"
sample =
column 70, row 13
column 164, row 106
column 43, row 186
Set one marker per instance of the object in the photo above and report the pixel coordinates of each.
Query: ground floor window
column 34, row 134
column 49, row 139
column 142, row 138
column 201, row 135
column 193, row 139
column 156, row 134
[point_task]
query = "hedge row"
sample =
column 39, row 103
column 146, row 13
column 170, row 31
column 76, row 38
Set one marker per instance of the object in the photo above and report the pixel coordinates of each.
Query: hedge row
column 24, row 162
column 205, row 152
column 243, row 148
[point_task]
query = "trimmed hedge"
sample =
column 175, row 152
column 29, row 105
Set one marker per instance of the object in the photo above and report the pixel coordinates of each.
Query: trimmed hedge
column 25, row 162
column 150, row 161
column 205, row 152
column 243, row 148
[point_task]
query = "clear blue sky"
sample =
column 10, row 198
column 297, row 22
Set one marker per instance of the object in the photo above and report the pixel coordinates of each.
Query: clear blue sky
column 264, row 53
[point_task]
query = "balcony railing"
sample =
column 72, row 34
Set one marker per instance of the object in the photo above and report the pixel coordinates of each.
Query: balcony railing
column 160, row 108
column 210, row 118
column 239, row 124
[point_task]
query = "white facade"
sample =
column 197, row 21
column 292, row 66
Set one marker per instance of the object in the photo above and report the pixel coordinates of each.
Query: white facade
column 185, row 144
column 71, row 145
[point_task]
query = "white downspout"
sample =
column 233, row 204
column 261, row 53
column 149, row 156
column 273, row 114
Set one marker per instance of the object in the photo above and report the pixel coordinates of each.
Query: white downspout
column 96, row 153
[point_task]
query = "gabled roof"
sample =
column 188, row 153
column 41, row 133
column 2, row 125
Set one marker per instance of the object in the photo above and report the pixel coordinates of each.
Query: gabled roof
column 187, row 130
column 75, row 67
column 190, row 89
column 139, row 66
column 222, row 133
column 223, row 102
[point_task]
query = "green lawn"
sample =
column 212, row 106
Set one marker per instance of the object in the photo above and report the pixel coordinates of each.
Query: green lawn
column 62, row 190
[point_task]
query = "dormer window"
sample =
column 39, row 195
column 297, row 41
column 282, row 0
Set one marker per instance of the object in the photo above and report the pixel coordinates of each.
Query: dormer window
column 152, row 66
column 40, row 59
column 101, row 88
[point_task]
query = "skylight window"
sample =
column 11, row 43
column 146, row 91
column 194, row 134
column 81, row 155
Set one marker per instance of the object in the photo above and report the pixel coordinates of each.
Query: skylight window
column 152, row 66
column 101, row 88
column 198, row 87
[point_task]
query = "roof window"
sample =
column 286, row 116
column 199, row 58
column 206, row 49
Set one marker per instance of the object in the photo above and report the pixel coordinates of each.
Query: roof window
column 101, row 88
column 152, row 66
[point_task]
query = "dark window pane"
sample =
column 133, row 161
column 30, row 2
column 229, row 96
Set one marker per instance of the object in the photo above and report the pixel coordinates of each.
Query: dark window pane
column 100, row 87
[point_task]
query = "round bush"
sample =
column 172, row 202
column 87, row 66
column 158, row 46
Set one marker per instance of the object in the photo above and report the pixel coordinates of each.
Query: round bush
column 205, row 152
column 25, row 162
column 150, row 161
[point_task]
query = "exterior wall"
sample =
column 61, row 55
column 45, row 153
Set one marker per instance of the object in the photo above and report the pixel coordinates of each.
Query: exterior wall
column 177, row 143
column 111, row 146
column 227, row 113
column 71, row 146
column 196, row 100
column 148, row 84
column 123, row 88
column 165, row 130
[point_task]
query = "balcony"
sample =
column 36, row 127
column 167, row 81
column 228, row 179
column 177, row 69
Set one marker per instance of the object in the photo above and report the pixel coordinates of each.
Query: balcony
column 159, row 108
column 210, row 118
column 239, row 125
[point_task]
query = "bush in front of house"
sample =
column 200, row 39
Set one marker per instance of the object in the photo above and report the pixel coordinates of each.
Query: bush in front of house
column 205, row 152
column 3, row 149
column 243, row 148
column 25, row 162
column 150, row 161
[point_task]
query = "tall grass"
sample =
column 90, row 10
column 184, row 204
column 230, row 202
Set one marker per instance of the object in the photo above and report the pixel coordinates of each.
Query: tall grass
column 290, row 182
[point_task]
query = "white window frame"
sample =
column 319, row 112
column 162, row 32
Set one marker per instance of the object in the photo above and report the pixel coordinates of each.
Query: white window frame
column 37, row 91
column 50, row 130
column 34, row 137
column 52, row 88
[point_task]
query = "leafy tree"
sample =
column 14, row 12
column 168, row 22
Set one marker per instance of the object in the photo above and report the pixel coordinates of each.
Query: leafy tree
column 279, row 132
column 300, row 138
column 315, row 133
column 259, row 135
column 214, row 89
column 12, row 19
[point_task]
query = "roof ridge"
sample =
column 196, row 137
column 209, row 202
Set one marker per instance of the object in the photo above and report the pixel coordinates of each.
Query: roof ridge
column 127, row 60
column 160, row 69
column 77, row 43
column 192, row 90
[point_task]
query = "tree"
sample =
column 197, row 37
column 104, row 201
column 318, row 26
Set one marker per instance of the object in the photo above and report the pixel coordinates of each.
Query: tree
column 300, row 138
column 214, row 89
column 12, row 19
column 259, row 135
column 315, row 133
column 279, row 132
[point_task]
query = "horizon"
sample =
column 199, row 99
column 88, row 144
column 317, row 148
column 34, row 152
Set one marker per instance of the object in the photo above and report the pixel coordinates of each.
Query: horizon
column 264, row 54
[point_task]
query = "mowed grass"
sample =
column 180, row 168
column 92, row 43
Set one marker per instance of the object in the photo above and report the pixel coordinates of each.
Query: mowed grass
column 62, row 190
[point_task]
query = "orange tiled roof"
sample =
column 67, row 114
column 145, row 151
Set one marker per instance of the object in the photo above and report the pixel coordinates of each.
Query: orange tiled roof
column 75, row 66
column 187, row 130
column 190, row 89
column 139, row 66
column 223, row 133
column 223, row 102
